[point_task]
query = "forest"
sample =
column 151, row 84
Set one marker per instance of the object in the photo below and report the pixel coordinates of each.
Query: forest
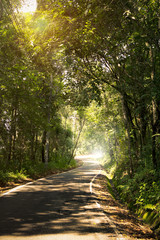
column 83, row 76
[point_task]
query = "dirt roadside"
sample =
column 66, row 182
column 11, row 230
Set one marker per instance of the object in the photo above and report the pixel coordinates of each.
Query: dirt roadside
column 127, row 224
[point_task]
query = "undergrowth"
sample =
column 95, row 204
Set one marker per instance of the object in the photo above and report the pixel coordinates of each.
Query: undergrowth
column 141, row 193
column 35, row 170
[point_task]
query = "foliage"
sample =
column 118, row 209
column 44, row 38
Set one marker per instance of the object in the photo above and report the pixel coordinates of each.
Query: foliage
column 31, row 171
column 141, row 194
column 31, row 96
column 6, row 177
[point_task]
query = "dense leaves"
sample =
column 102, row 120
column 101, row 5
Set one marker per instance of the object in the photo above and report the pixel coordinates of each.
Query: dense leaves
column 31, row 94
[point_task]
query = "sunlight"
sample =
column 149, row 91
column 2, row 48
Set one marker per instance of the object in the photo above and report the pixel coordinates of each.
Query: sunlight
column 28, row 6
column 97, row 154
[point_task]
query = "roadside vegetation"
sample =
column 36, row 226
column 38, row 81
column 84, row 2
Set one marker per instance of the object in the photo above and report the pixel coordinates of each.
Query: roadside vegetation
column 140, row 192
column 32, row 172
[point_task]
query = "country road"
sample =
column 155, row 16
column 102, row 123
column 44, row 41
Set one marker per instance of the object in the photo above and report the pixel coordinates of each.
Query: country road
column 59, row 207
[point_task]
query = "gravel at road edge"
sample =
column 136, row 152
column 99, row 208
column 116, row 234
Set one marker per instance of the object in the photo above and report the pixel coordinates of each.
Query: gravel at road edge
column 127, row 224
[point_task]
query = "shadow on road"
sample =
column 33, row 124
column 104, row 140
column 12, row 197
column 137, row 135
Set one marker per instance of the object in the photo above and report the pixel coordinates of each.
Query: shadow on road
column 57, row 204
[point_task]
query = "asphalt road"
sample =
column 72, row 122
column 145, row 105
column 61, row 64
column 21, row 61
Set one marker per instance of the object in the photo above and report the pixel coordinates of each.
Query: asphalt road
column 59, row 207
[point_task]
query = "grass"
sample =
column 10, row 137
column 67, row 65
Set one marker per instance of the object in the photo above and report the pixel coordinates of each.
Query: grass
column 34, row 171
column 7, row 177
column 141, row 194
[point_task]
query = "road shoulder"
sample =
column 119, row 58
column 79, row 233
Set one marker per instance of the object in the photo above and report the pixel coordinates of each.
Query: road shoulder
column 127, row 224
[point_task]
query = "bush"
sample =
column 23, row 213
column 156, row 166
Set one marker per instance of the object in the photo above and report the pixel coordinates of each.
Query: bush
column 36, row 170
column 3, row 178
column 6, row 177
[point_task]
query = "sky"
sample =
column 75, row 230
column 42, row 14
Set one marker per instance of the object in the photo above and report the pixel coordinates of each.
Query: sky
column 28, row 6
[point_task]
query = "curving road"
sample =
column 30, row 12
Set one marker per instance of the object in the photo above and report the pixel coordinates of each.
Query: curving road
column 59, row 207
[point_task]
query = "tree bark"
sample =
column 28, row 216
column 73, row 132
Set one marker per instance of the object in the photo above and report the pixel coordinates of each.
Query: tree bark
column 154, row 132
column 77, row 140
column 128, row 122
column 43, row 146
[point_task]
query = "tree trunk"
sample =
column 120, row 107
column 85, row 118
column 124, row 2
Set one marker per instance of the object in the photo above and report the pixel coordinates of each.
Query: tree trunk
column 47, row 149
column 154, row 132
column 77, row 140
column 128, row 124
column 43, row 146
column 32, row 152
column 111, row 153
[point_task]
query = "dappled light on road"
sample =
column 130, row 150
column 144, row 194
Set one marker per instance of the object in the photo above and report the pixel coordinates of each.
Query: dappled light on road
column 63, row 207
column 55, row 205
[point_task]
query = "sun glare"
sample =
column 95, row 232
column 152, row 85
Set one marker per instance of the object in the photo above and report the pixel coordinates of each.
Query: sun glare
column 97, row 154
column 28, row 6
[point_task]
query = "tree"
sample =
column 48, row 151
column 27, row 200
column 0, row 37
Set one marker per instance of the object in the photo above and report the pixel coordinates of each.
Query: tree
column 31, row 90
column 105, row 52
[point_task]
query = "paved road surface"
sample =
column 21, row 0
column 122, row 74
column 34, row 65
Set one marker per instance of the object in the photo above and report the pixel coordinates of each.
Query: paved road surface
column 59, row 207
